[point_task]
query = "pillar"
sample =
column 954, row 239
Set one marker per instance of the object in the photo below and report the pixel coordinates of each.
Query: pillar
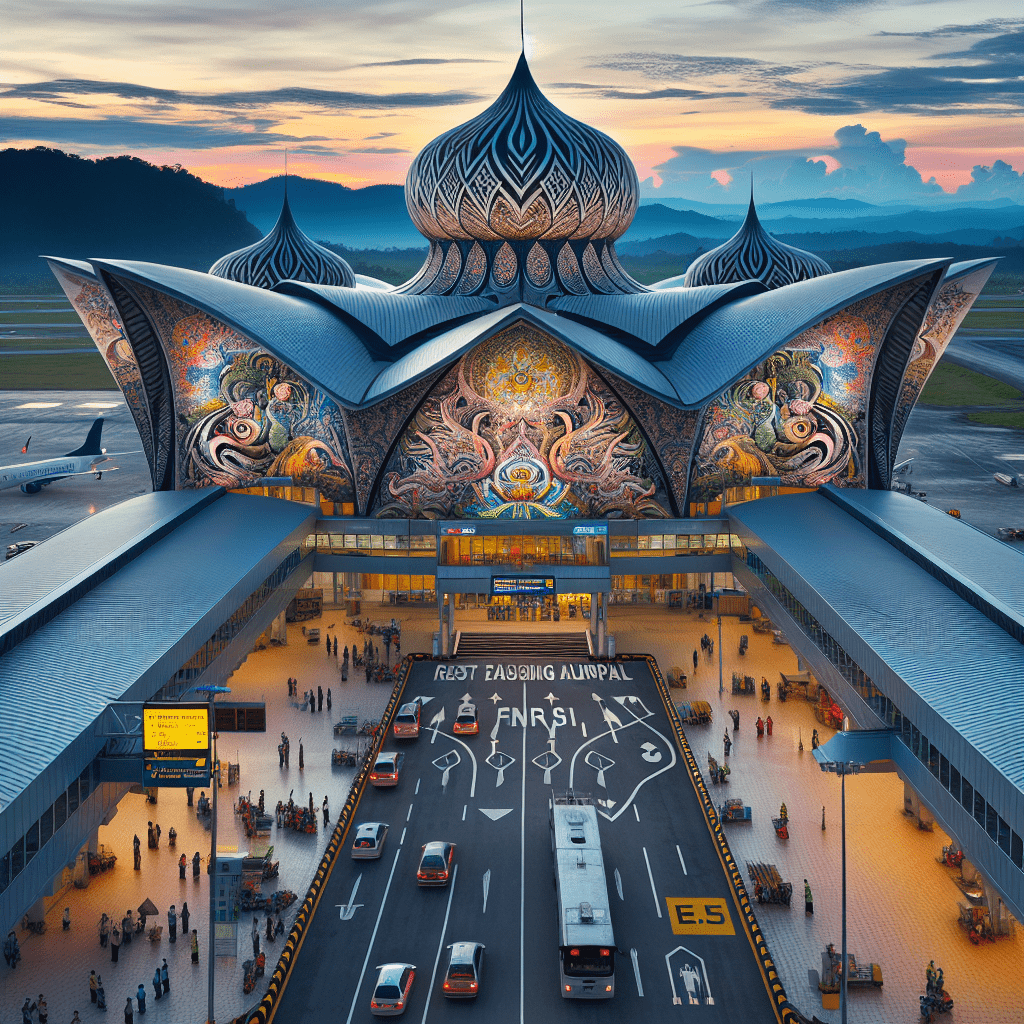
column 279, row 629
column 602, row 627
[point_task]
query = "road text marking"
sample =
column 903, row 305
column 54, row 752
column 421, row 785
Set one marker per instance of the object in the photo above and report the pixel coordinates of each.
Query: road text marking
column 696, row 916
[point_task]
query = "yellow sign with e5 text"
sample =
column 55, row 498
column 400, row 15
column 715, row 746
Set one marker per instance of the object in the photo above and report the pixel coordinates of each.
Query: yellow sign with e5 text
column 699, row 916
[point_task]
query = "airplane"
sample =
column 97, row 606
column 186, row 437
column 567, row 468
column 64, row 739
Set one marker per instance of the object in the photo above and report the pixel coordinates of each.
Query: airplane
column 84, row 461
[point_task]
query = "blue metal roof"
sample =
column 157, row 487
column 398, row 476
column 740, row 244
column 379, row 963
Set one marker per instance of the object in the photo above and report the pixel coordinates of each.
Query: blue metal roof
column 733, row 339
column 960, row 663
column 96, row 650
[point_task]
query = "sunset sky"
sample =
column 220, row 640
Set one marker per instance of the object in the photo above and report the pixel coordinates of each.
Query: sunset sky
column 880, row 97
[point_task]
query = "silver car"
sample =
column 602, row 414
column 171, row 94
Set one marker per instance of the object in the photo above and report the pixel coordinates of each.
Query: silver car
column 369, row 841
column 465, row 970
column 391, row 993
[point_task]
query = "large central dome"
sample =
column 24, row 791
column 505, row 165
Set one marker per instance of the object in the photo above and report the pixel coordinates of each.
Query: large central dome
column 523, row 189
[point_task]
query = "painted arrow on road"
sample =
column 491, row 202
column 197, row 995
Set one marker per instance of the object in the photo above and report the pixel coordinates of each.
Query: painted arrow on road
column 500, row 761
column 348, row 910
column 601, row 763
column 611, row 719
column 436, row 723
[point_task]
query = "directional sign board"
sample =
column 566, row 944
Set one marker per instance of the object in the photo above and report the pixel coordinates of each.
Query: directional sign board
column 175, row 728
column 543, row 586
column 176, row 771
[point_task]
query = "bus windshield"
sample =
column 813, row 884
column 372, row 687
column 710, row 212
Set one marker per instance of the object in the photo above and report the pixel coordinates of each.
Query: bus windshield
column 595, row 961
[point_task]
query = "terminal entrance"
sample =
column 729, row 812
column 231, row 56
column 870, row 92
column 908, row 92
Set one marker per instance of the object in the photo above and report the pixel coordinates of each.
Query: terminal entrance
column 522, row 608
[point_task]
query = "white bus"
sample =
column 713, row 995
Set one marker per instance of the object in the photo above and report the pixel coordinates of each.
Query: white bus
column 586, row 944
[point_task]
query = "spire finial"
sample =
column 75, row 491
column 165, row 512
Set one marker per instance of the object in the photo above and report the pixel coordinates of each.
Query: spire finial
column 522, row 29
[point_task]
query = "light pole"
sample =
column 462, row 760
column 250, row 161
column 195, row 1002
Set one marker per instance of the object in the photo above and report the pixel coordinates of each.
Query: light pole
column 212, row 691
column 842, row 769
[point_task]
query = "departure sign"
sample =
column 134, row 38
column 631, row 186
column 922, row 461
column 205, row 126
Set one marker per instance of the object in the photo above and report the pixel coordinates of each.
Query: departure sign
column 539, row 586
column 175, row 728
column 591, row 530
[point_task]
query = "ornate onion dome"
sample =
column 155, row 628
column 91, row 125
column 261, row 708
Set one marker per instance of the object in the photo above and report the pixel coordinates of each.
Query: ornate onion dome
column 522, row 199
column 286, row 254
column 753, row 254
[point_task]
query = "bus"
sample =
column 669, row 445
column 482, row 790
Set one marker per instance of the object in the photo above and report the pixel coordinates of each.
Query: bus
column 586, row 944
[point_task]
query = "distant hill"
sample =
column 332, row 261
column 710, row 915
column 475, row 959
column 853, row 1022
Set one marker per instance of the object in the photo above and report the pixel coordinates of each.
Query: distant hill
column 362, row 218
column 58, row 204
column 654, row 219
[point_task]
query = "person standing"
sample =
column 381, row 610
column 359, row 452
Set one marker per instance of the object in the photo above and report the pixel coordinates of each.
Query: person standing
column 189, row 793
column 93, row 985
column 194, row 941
column 302, row 763
column 140, row 998
column 115, row 943
column 327, row 815
column 768, row 725
column 104, row 931
column 196, row 859
column 727, row 743
column 172, row 924
column 101, row 995
column 279, row 927
column 156, row 983
column 328, row 700
column 66, row 919
column 26, row 1012
column 129, row 1012
column 127, row 927
column 335, row 646
column 184, row 915
column 182, row 864
column 327, row 640
column 312, row 702
column 138, row 852
column 319, row 698
column 263, row 802
column 808, row 899
column 255, row 936
column 695, row 661
column 41, row 1008
column 269, row 933
column 164, row 977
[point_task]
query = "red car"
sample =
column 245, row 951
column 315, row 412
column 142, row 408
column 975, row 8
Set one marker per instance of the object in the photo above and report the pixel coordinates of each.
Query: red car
column 435, row 864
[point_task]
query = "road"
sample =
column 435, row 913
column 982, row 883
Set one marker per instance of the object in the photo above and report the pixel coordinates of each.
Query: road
column 490, row 794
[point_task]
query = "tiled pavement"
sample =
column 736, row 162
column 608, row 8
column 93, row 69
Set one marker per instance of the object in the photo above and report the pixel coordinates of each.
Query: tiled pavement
column 902, row 904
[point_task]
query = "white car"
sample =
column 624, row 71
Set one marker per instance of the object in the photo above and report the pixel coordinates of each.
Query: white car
column 369, row 841
column 391, row 993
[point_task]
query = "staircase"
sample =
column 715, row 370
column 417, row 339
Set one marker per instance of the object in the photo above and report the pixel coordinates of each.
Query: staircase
column 523, row 646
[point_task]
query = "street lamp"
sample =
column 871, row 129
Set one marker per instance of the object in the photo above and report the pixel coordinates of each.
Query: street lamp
column 213, row 691
column 842, row 769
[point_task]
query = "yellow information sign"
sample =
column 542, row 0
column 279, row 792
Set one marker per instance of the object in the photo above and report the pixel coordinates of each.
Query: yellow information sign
column 170, row 728
column 694, row 915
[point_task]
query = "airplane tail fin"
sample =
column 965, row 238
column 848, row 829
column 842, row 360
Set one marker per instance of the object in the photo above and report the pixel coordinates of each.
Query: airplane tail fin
column 24, row 451
column 92, row 442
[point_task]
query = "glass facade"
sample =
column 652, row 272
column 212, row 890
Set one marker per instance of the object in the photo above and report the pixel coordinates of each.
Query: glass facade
column 675, row 544
column 947, row 774
column 523, row 551
column 375, row 544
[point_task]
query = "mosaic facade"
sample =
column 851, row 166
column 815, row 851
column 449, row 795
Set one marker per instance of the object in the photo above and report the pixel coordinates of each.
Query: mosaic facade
column 522, row 428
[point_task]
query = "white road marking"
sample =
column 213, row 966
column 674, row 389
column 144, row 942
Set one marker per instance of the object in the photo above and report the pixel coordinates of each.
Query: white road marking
column 611, row 719
column 636, row 972
column 500, row 761
column 650, row 875
column 583, row 729
column 494, row 698
column 440, row 943
column 416, row 791
column 682, row 863
column 464, row 806
column 650, row 752
column 692, row 979
column 551, row 698
column 494, row 813
column 487, row 887
column 601, row 764
column 409, row 815
column 422, row 700
column 373, row 936
column 436, row 723
column 618, row 884
column 522, row 878
column 466, row 699
column 347, row 910
column 402, row 840
column 636, row 812
column 472, row 758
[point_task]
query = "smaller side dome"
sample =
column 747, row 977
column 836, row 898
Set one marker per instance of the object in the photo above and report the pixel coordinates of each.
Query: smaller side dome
column 752, row 254
column 286, row 254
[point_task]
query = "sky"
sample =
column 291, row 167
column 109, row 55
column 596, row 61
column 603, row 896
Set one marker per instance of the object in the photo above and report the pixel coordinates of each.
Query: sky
column 884, row 101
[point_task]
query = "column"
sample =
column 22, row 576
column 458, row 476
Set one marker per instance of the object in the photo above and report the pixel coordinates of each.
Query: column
column 602, row 627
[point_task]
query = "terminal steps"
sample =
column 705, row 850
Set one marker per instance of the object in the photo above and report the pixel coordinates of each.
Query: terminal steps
column 523, row 646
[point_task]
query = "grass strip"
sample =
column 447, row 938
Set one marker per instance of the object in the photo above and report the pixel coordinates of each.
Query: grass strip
column 953, row 386
column 55, row 373
column 1014, row 420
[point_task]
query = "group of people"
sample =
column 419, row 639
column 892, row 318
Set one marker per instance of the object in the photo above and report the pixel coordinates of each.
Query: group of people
column 161, row 986
column 39, row 1006
column 764, row 725
column 314, row 701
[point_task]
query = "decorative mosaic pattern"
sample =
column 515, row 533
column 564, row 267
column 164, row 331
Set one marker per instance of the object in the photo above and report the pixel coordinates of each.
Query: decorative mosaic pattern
column 522, row 428
column 752, row 254
column 242, row 414
column 476, row 269
column 594, row 271
column 538, row 266
column 569, row 271
column 506, row 266
column 91, row 303
column 450, row 269
column 800, row 414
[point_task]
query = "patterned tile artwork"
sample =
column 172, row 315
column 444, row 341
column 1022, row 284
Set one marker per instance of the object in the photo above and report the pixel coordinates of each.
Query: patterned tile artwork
column 522, row 428
column 91, row 303
column 242, row 414
column 800, row 414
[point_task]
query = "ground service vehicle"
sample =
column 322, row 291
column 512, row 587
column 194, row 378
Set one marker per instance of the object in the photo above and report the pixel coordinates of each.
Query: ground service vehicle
column 465, row 970
column 369, row 841
column 407, row 721
column 391, row 993
column 435, row 867
column 386, row 769
column 466, row 723
column 586, row 943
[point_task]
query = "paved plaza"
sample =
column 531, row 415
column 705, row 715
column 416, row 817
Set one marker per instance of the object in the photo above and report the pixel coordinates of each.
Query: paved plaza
column 902, row 903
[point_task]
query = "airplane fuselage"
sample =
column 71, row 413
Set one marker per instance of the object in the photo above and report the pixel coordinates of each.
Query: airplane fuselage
column 48, row 470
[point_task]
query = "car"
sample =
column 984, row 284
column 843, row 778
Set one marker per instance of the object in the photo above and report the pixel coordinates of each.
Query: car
column 369, row 841
column 386, row 769
column 391, row 993
column 466, row 723
column 23, row 545
column 435, row 866
column 465, row 970
column 407, row 721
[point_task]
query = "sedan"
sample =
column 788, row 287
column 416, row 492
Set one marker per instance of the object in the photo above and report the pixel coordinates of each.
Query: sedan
column 407, row 721
column 435, row 864
column 465, row 970
column 466, row 721
column 386, row 769
column 391, row 993
column 369, row 841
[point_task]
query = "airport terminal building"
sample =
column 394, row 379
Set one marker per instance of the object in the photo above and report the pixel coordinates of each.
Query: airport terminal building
column 525, row 427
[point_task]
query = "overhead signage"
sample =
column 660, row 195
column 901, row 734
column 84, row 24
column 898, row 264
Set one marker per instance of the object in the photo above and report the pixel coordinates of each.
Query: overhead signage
column 460, row 531
column 175, row 729
column 591, row 530
column 540, row 586
column 178, row 772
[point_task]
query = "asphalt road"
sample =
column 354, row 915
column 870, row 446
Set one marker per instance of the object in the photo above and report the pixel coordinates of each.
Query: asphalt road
column 536, row 737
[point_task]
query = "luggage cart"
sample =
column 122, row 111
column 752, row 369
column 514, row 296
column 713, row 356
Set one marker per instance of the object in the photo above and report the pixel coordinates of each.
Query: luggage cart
column 768, row 884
